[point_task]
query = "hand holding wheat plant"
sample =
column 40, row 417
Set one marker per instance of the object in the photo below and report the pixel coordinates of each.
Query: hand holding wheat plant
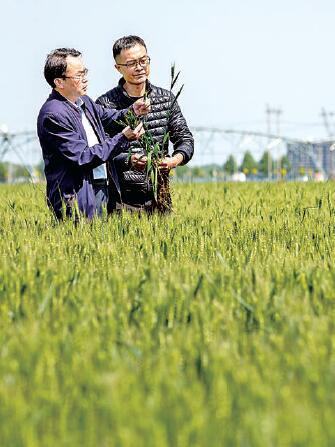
column 142, row 106
column 134, row 134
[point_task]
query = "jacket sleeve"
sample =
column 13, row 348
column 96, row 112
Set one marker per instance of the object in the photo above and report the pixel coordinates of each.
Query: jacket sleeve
column 108, row 116
column 180, row 135
column 60, row 137
column 122, row 162
column 110, row 126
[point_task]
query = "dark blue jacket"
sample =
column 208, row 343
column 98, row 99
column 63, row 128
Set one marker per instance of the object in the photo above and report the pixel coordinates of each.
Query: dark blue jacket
column 69, row 161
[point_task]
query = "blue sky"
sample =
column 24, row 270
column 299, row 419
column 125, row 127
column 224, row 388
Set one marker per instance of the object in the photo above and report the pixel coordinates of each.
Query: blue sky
column 235, row 57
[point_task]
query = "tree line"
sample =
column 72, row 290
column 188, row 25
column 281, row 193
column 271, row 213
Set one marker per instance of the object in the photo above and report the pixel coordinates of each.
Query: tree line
column 252, row 168
column 13, row 172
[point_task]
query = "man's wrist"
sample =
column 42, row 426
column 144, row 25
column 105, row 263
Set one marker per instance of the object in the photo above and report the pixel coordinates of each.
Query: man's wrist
column 179, row 158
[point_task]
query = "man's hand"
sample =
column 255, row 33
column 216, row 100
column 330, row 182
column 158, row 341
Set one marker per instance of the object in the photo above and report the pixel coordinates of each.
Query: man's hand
column 142, row 107
column 169, row 163
column 135, row 134
column 138, row 162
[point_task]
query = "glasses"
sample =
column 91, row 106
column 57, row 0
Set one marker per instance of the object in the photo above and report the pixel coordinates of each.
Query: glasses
column 143, row 62
column 78, row 77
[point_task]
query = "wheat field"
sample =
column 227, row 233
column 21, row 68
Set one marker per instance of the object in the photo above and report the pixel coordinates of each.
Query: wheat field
column 213, row 326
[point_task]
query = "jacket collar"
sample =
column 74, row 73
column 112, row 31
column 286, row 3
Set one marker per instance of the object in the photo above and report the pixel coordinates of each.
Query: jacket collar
column 56, row 95
column 122, row 89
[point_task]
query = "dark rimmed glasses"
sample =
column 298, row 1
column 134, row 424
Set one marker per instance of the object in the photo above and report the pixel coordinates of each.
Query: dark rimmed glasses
column 78, row 77
column 143, row 62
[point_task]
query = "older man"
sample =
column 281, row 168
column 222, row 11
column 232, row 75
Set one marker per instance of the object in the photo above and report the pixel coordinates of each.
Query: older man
column 133, row 63
column 71, row 130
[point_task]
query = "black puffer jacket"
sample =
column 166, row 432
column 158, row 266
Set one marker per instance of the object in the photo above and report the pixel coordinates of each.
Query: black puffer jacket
column 136, row 190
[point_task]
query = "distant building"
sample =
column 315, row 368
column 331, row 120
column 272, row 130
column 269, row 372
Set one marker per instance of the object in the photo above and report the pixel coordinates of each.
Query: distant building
column 238, row 177
column 311, row 158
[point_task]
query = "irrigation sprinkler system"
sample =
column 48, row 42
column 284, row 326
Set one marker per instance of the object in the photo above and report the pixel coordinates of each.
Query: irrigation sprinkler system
column 211, row 142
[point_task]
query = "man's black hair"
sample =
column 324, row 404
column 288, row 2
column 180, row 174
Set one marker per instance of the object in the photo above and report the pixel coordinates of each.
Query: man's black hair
column 127, row 42
column 55, row 65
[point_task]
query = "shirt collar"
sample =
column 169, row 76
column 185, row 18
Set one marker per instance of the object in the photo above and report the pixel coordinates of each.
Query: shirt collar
column 79, row 103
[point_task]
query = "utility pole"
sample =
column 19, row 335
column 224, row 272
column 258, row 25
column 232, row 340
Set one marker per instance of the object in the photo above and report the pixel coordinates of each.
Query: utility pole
column 275, row 113
column 268, row 121
column 325, row 116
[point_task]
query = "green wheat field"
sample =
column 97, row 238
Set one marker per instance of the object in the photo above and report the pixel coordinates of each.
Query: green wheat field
column 213, row 326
